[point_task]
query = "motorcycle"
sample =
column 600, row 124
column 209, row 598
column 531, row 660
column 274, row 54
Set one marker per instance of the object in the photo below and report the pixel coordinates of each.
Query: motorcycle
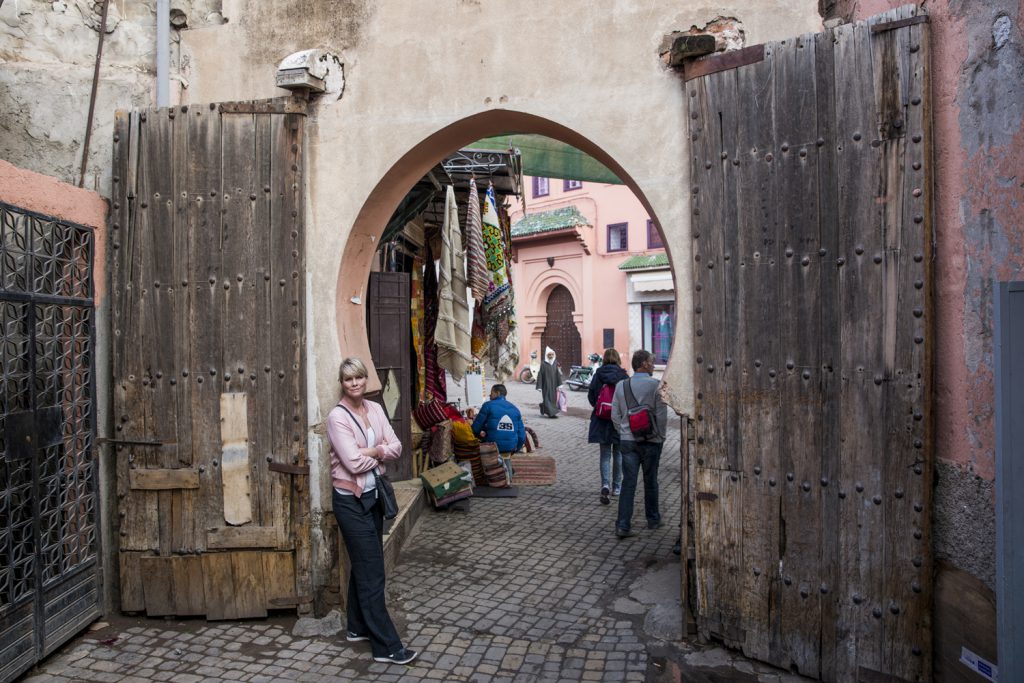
column 528, row 375
column 580, row 375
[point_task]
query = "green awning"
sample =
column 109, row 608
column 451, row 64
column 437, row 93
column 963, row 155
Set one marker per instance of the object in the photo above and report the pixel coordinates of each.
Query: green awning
column 548, row 221
column 642, row 262
column 548, row 158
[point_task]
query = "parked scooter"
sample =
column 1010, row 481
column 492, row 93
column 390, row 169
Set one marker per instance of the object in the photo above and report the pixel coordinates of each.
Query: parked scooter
column 528, row 375
column 580, row 375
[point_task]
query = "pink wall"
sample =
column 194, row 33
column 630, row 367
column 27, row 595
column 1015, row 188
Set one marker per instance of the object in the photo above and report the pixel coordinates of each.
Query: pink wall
column 46, row 195
column 595, row 281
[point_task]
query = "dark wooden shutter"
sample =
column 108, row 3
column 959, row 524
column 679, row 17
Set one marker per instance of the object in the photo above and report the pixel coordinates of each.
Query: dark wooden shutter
column 560, row 331
column 208, row 359
column 811, row 189
column 388, row 320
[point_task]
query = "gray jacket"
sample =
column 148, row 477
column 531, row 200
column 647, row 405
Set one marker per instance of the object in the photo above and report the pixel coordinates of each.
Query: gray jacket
column 645, row 390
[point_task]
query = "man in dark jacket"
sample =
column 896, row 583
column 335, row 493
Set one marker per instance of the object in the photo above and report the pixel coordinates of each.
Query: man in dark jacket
column 604, row 431
column 500, row 422
column 548, row 380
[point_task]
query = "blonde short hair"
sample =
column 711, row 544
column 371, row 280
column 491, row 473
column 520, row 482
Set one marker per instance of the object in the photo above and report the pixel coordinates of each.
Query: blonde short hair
column 351, row 367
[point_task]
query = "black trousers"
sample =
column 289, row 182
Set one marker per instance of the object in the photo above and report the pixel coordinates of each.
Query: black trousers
column 362, row 527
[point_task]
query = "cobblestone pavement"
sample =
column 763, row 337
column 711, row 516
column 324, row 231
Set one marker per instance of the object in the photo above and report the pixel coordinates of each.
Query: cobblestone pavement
column 533, row 588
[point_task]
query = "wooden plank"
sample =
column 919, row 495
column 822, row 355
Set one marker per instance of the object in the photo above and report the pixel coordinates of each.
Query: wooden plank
column 719, row 554
column 705, row 66
column 204, row 330
column 901, row 23
column 861, row 527
column 189, row 599
column 710, row 303
column 283, row 468
column 828, row 344
column 271, row 490
column 163, row 479
column 249, row 536
column 234, row 432
column 175, row 391
column 279, row 578
column 132, row 598
column 234, row 585
column 287, row 357
column 756, row 358
column 277, row 105
column 908, row 574
column 798, row 365
column 158, row 585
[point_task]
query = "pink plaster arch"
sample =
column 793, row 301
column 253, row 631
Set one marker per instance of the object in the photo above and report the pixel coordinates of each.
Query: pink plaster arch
column 393, row 186
column 540, row 289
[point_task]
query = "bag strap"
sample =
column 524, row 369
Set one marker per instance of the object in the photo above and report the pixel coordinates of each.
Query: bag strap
column 376, row 470
column 631, row 401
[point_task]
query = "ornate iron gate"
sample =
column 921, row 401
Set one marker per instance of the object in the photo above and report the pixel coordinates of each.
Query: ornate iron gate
column 49, row 571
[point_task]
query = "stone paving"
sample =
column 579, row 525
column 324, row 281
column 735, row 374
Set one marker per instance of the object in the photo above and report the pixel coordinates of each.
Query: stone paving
column 533, row 588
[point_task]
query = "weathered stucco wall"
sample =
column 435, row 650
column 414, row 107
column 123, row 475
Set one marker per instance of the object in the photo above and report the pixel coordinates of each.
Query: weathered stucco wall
column 47, row 57
column 978, row 104
column 424, row 77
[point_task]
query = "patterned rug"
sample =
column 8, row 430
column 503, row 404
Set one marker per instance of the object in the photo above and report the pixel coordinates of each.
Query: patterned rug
column 533, row 470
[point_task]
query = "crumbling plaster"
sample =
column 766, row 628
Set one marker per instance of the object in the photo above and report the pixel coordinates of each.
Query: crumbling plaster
column 47, row 56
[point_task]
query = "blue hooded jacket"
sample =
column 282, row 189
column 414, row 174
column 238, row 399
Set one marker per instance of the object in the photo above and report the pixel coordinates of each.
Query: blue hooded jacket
column 503, row 423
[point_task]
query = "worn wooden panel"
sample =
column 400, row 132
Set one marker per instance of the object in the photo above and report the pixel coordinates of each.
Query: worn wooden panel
column 248, row 536
column 388, row 311
column 756, row 356
column 234, row 586
column 799, row 363
column 132, row 598
column 717, row 502
column 234, row 465
column 287, row 360
column 279, row 579
column 826, row 324
column 158, row 585
column 187, row 573
column 163, row 479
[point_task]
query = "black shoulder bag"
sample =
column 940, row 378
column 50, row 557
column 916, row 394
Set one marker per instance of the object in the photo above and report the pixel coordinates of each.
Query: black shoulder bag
column 385, row 490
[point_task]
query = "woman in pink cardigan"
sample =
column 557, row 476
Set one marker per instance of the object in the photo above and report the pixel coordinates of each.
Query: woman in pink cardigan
column 361, row 441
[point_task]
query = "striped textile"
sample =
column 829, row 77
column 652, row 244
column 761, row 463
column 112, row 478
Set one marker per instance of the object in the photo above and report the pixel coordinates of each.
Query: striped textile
column 476, row 258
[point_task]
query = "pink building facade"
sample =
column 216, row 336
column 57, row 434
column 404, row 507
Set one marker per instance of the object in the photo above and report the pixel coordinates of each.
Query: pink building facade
column 590, row 272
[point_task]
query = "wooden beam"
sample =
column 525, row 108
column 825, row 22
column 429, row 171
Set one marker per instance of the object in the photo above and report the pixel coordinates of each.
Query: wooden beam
column 893, row 25
column 723, row 62
column 163, row 479
column 223, row 537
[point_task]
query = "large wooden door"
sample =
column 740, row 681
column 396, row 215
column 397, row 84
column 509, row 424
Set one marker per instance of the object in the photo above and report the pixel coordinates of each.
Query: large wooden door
column 208, row 365
column 388, row 323
column 811, row 189
column 560, row 331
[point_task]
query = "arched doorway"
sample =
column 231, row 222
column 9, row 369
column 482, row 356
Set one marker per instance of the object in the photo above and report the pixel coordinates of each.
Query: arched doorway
column 361, row 243
column 560, row 332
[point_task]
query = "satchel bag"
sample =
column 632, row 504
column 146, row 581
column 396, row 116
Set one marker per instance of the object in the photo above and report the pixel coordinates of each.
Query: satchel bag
column 385, row 490
column 641, row 420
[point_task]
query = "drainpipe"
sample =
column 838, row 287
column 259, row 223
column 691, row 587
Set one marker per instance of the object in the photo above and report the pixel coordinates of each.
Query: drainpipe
column 163, row 57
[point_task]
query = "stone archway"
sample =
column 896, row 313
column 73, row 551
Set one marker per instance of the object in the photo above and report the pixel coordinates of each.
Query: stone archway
column 363, row 239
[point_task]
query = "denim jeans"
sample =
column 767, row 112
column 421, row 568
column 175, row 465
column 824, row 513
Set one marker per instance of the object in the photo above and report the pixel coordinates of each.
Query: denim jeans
column 637, row 455
column 611, row 466
column 362, row 529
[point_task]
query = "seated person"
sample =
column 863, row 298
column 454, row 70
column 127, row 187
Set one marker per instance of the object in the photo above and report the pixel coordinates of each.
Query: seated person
column 500, row 422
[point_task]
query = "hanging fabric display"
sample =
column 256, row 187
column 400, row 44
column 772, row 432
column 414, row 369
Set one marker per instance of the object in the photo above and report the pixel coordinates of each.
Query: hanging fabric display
column 476, row 257
column 416, row 320
column 499, row 303
column 435, row 385
column 453, row 333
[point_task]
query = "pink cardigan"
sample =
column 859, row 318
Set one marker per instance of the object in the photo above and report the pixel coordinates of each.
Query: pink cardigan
column 349, row 467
